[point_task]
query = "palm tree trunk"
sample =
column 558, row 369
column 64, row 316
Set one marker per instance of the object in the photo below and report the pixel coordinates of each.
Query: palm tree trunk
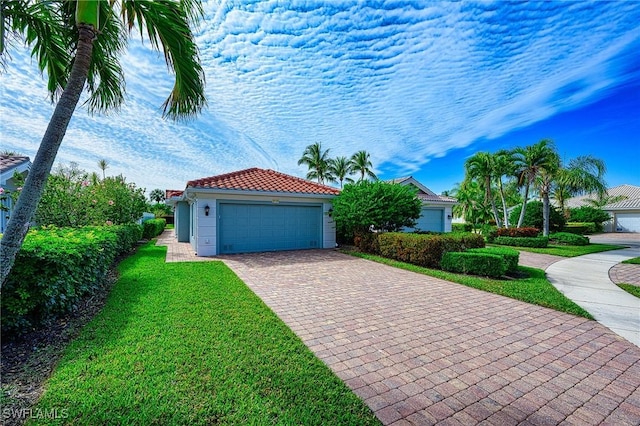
column 545, row 213
column 36, row 179
column 524, row 205
column 504, row 205
column 494, row 210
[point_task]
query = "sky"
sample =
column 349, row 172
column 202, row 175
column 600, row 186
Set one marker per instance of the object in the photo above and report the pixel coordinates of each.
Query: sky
column 419, row 85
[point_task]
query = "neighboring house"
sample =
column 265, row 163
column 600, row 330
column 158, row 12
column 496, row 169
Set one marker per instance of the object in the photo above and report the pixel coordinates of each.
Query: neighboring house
column 625, row 214
column 253, row 210
column 9, row 165
column 436, row 209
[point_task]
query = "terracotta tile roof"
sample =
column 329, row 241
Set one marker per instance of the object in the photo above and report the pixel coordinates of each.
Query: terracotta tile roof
column 169, row 193
column 10, row 161
column 266, row 180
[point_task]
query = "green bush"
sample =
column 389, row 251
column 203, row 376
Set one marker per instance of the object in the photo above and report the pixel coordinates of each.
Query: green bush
column 517, row 232
column 425, row 250
column 485, row 264
column 569, row 239
column 461, row 227
column 56, row 267
column 511, row 257
column 153, row 228
column 533, row 216
column 589, row 214
column 539, row 242
column 581, row 228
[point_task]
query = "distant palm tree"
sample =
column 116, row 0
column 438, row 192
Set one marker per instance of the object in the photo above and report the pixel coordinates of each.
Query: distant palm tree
column 156, row 195
column 317, row 161
column 584, row 174
column 470, row 205
column 481, row 166
column 529, row 163
column 600, row 202
column 103, row 165
column 341, row 168
column 361, row 163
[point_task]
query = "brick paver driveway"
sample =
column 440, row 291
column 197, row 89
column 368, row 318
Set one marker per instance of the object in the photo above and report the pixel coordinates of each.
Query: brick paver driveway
column 420, row 350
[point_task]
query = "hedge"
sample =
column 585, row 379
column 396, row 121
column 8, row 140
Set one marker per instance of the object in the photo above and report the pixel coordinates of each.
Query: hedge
column 56, row 267
column 485, row 264
column 425, row 250
column 461, row 227
column 511, row 257
column 153, row 227
column 581, row 228
column 539, row 242
column 568, row 238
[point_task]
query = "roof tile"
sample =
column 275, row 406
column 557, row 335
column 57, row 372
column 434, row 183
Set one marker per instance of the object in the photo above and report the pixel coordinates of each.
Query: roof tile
column 265, row 180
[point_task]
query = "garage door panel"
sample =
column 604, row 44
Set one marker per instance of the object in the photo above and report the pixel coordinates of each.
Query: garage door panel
column 269, row 227
column 628, row 222
column 430, row 220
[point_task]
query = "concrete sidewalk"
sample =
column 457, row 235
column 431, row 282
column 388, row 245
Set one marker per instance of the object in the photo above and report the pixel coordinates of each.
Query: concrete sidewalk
column 585, row 280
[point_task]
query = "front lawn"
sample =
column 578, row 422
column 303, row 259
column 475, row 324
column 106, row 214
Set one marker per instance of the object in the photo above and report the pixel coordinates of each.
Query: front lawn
column 189, row 343
column 569, row 251
column 533, row 288
column 631, row 289
column 633, row 261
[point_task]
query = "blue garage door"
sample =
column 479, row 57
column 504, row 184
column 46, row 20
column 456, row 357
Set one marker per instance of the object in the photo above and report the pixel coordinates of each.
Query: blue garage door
column 431, row 220
column 245, row 228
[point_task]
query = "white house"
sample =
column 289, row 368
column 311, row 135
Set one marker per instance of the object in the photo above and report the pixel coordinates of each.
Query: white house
column 9, row 166
column 436, row 209
column 253, row 210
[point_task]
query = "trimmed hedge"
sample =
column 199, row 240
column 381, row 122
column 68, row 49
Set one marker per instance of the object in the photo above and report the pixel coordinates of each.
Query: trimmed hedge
column 153, row 228
column 485, row 264
column 511, row 257
column 425, row 250
column 568, row 239
column 538, row 242
column 56, row 267
column 580, row 228
column 517, row 232
column 461, row 227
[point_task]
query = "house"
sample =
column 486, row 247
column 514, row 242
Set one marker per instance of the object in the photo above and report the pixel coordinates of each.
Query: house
column 253, row 210
column 436, row 209
column 625, row 214
column 9, row 166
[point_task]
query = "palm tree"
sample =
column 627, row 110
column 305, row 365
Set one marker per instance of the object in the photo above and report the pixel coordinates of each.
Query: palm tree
column 544, row 183
column 103, row 165
column 156, row 195
column 80, row 42
column 341, row 167
column 529, row 162
column 481, row 167
column 317, row 161
column 470, row 205
column 584, row 174
column 361, row 163
column 503, row 166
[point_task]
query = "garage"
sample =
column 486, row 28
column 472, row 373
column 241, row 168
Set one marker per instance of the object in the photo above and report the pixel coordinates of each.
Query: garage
column 628, row 222
column 246, row 228
column 431, row 220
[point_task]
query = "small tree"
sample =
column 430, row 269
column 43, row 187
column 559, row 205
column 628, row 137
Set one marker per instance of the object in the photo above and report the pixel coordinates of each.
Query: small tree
column 534, row 218
column 157, row 195
column 378, row 205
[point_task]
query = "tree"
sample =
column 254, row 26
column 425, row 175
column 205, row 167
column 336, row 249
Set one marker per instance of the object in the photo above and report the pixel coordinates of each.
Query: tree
column 157, row 195
column 80, row 42
column 317, row 161
column 340, row 167
column 103, row 165
column 481, row 166
column 544, row 183
column 381, row 205
column 529, row 162
column 503, row 166
column 470, row 206
column 361, row 163
column 534, row 219
column 584, row 174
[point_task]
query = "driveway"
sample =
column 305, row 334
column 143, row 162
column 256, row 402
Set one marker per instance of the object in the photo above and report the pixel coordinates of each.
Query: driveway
column 419, row 350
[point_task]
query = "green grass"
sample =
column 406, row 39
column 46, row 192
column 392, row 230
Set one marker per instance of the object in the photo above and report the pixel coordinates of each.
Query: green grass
column 189, row 344
column 569, row 251
column 535, row 288
column 634, row 261
column 632, row 289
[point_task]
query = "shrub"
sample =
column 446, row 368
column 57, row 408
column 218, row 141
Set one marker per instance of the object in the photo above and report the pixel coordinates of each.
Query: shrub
column 486, row 264
column 517, row 232
column 367, row 242
column 569, row 239
column 425, row 250
column 580, row 228
column 56, row 267
column 511, row 257
column 153, row 227
column 461, row 227
column 533, row 216
column 539, row 242
column 589, row 214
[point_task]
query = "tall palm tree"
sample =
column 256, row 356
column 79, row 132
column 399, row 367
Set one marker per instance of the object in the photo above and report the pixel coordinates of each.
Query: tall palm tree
column 544, row 183
column 529, row 162
column 361, row 163
column 481, row 166
column 317, row 161
column 584, row 174
column 341, row 168
column 503, row 166
column 78, row 42
column 103, row 165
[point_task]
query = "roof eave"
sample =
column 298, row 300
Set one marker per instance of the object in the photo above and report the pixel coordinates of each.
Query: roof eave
column 221, row 191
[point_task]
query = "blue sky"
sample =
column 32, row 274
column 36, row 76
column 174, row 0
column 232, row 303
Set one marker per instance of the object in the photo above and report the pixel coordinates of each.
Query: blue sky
column 420, row 85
